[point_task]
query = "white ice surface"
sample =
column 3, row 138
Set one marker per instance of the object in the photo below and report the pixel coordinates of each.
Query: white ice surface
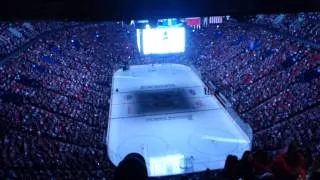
column 168, row 140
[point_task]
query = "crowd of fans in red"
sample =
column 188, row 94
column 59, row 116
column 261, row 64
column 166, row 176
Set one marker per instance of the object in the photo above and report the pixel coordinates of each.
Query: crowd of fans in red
column 273, row 84
column 15, row 34
column 54, row 103
column 301, row 25
column 54, row 94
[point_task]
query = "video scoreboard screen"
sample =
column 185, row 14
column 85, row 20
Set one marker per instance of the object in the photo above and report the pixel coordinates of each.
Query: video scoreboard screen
column 161, row 40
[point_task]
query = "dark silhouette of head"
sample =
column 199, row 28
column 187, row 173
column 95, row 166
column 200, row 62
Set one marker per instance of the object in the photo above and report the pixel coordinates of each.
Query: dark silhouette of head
column 132, row 167
column 244, row 167
column 245, row 156
column 230, row 167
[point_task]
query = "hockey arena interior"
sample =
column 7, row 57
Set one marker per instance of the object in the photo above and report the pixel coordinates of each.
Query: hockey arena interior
column 180, row 98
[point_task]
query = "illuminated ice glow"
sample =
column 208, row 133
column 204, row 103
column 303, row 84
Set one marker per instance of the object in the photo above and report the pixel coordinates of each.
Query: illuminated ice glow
column 164, row 164
column 163, row 40
column 227, row 140
column 138, row 39
column 168, row 137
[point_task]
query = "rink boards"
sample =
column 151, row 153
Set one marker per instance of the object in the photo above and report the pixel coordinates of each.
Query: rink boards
column 161, row 112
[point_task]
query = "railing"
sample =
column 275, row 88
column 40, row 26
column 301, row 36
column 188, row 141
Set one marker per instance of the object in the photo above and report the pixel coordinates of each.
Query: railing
column 243, row 125
column 228, row 106
column 106, row 139
column 194, row 69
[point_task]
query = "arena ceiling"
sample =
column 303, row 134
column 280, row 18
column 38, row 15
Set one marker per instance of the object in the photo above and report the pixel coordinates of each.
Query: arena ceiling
column 142, row 9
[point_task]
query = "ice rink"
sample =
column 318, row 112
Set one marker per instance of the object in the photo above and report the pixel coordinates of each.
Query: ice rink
column 162, row 112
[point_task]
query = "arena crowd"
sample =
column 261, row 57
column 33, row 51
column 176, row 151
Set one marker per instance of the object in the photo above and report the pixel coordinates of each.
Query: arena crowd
column 54, row 103
column 271, row 81
column 301, row 25
column 54, row 94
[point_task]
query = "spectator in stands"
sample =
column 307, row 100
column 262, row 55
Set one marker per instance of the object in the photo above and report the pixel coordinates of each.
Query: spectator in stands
column 261, row 166
column 244, row 166
column 132, row 167
column 229, row 170
column 290, row 165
